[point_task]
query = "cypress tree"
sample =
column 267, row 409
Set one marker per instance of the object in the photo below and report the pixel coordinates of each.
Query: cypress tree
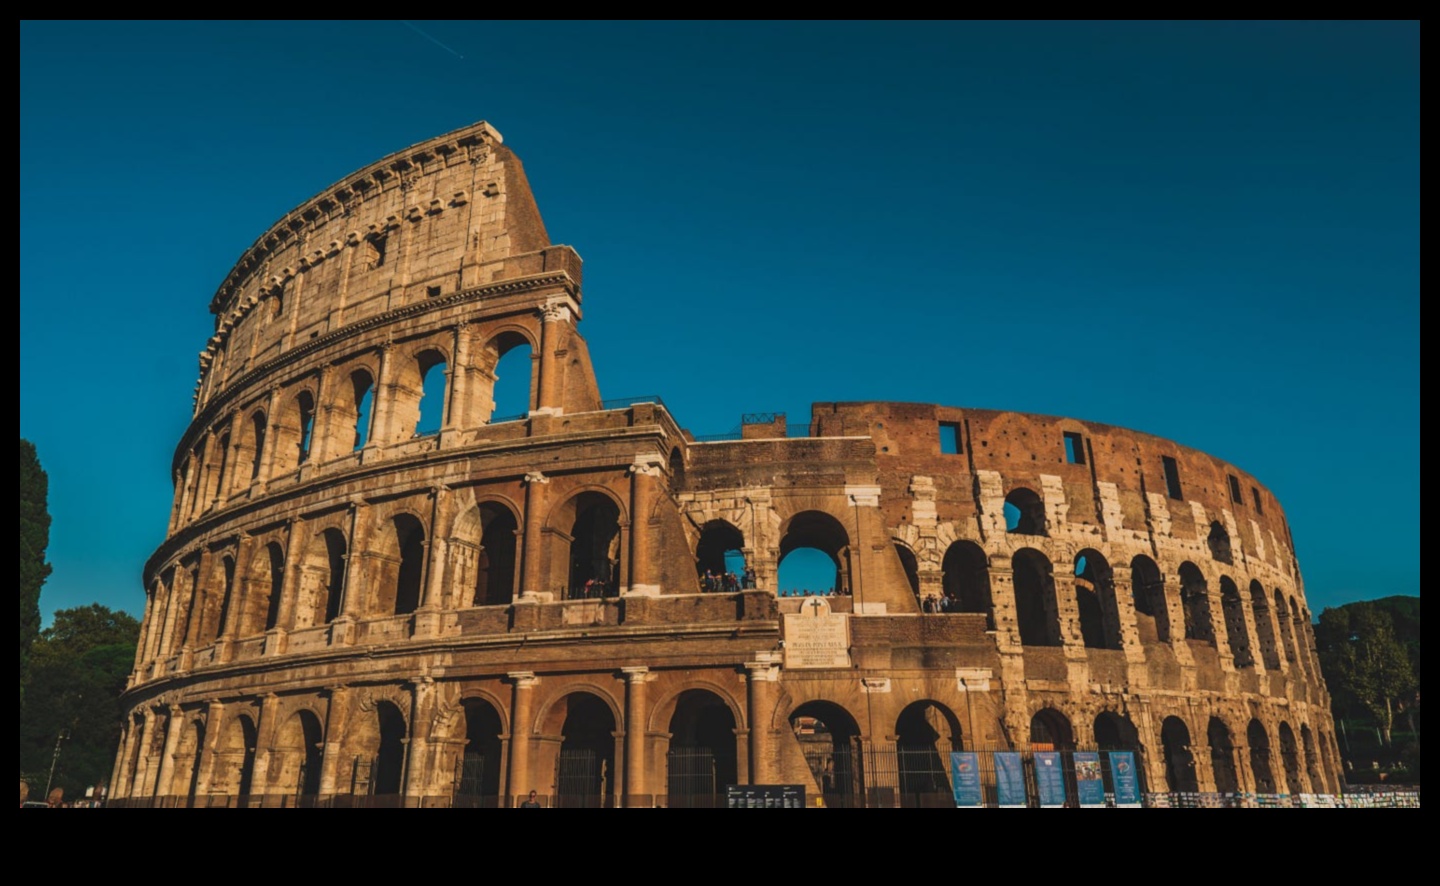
column 34, row 538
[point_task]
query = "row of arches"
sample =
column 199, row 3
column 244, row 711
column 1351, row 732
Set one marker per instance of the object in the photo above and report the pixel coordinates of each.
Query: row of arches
column 377, row 400
column 240, row 594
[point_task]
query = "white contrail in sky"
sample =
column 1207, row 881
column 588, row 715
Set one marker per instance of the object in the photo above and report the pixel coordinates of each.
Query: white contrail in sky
column 432, row 39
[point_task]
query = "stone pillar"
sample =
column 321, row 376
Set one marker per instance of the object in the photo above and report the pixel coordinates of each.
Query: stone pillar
column 432, row 588
column 382, row 404
column 289, row 583
column 214, row 719
column 120, row 775
column 1067, row 611
column 331, row 759
column 422, row 710
column 1002, row 598
column 321, row 433
column 456, row 416
column 272, row 430
column 144, row 765
column 172, row 596
column 167, row 753
column 644, row 474
column 199, row 603
column 1175, row 615
column 520, row 717
column 1122, row 584
column 553, row 335
column 264, row 739
column 225, row 648
column 635, row 711
column 532, row 572
column 352, row 601
column 761, row 676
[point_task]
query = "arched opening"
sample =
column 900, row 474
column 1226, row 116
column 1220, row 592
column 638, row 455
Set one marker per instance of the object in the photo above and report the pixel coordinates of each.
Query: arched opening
column 1152, row 618
column 298, row 747
column 430, row 411
column 1035, row 606
column 1222, row 757
column 1312, row 760
column 1116, row 733
column 1259, row 741
column 256, row 444
column 1235, row 631
column 719, row 552
column 227, row 575
column 1219, row 542
column 1095, row 596
column 965, row 579
column 137, row 753
column 305, row 418
column 702, row 758
column 808, row 537
column 830, row 740
column 399, row 564
column 911, row 569
column 479, row 785
column 1024, row 512
column 1264, row 626
column 187, row 761
column 925, row 734
column 1290, row 759
column 1298, row 625
column 322, row 580
column 1195, row 601
column 594, row 547
column 514, row 390
column 495, row 560
column 194, row 605
column 585, row 766
column 235, row 763
column 389, row 767
column 362, row 404
column 677, row 471
column 264, row 590
column 1050, row 730
column 1179, row 761
column 217, row 483
column 1287, row 633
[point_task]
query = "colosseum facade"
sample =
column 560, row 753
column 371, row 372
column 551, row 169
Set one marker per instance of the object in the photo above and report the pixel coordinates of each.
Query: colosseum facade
column 375, row 590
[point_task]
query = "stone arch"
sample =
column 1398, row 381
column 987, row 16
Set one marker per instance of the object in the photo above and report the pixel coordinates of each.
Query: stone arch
column 1222, row 757
column 589, row 523
column 1219, row 543
column 1287, row 633
column 719, row 541
column 192, row 603
column 911, row 567
column 380, row 742
column 1036, row 611
column 252, row 445
column 321, row 580
column 965, row 579
column 293, row 431
column 511, row 353
column 1152, row 616
column 1264, row 626
column 1290, row 757
column 215, row 486
column 398, row 558
column 829, row 738
column 137, row 754
column 1115, row 732
column 925, row 734
column 297, row 755
column 1095, row 597
column 418, row 409
column 235, row 758
column 479, row 778
column 226, row 569
column 186, row 781
column 703, row 756
column 677, row 470
column 1050, row 730
column 1179, row 761
column 483, row 547
column 264, row 589
column 1312, row 759
column 1236, row 632
column 1259, row 741
column 1195, row 602
column 1025, row 512
column 352, row 410
column 585, row 723
column 1298, row 626
column 820, row 531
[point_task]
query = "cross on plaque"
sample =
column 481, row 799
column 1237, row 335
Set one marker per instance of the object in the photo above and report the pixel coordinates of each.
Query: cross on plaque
column 816, row 604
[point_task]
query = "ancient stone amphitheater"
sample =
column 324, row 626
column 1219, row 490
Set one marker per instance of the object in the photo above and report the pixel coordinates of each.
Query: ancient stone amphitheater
column 375, row 590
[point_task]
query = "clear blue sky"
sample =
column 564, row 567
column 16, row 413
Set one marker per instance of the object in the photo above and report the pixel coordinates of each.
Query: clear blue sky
column 1205, row 231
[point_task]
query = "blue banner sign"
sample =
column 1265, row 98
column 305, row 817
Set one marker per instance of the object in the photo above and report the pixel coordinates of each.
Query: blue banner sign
column 1126, row 779
column 965, row 776
column 1050, row 778
column 1010, row 779
column 1089, row 781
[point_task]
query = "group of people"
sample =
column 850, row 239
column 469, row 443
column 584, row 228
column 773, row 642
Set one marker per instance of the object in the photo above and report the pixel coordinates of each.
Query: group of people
column 940, row 603
column 727, row 582
column 828, row 592
column 592, row 589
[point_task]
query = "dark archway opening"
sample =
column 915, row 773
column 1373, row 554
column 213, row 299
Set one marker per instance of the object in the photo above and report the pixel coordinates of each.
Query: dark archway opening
column 1095, row 597
column 808, row 536
column 830, row 740
column 1222, row 757
column 1024, row 512
column 495, row 572
column 585, row 767
column 1179, row 761
column 1195, row 601
column 702, row 759
column 1236, row 633
column 479, row 785
column 390, row 758
column 925, row 734
column 595, row 548
column 719, row 552
column 1152, row 617
column 965, row 579
column 1259, row 742
column 1035, row 609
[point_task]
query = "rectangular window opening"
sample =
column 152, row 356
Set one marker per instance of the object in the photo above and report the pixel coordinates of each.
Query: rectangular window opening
column 1235, row 495
column 1074, row 448
column 1172, row 478
column 1255, row 494
column 949, row 438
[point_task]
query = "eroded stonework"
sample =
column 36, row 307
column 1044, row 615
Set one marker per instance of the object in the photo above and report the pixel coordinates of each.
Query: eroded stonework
column 375, row 589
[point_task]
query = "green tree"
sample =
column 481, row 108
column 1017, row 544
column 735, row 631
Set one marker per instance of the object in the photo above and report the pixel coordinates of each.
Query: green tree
column 1366, row 666
column 34, row 538
column 78, row 671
